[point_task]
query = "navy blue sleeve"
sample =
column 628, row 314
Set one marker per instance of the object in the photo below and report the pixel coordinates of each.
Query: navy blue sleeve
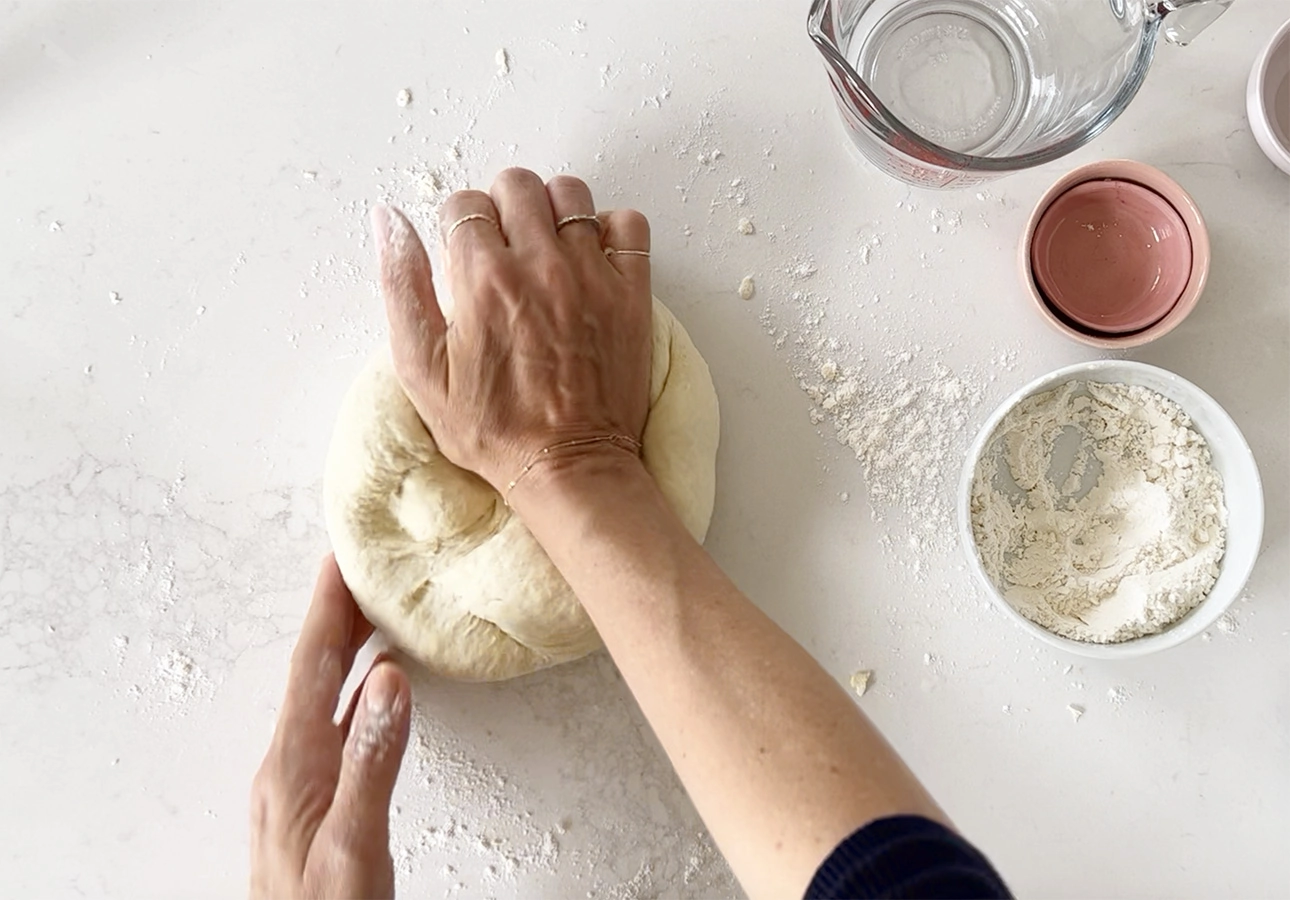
column 905, row 856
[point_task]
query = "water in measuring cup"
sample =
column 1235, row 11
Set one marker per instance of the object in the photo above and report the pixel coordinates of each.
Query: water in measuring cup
column 956, row 72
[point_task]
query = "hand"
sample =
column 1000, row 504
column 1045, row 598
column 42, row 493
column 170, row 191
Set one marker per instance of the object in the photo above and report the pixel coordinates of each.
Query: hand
column 320, row 803
column 549, row 339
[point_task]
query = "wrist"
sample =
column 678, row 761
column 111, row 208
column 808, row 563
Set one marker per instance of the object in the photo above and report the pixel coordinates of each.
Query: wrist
column 572, row 449
column 595, row 474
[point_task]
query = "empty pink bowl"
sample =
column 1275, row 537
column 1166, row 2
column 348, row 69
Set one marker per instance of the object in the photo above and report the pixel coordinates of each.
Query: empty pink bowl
column 1112, row 255
column 1115, row 254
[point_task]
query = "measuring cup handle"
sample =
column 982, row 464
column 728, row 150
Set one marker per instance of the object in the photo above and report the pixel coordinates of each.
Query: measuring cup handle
column 1184, row 19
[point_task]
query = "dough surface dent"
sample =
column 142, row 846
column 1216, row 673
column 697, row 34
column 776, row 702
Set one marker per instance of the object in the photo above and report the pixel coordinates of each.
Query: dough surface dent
column 443, row 567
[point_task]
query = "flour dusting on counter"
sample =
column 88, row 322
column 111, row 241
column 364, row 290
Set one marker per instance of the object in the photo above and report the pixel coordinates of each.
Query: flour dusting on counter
column 477, row 812
column 179, row 677
column 901, row 426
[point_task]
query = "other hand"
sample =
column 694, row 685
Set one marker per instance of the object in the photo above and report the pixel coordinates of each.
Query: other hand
column 320, row 803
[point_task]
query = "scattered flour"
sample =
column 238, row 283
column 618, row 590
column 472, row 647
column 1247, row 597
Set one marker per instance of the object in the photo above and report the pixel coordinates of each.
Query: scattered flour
column 905, row 423
column 1118, row 542
column 475, row 811
column 1076, row 711
column 801, row 269
column 403, row 97
column 747, row 287
column 179, row 677
column 460, row 811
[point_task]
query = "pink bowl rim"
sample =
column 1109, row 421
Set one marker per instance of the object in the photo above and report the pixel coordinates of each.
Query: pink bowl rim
column 1149, row 177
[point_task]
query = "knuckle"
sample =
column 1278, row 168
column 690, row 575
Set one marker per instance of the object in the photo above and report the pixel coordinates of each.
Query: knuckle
column 634, row 222
column 516, row 177
column 264, row 791
column 350, row 846
column 568, row 184
column 460, row 201
column 466, row 195
column 283, row 794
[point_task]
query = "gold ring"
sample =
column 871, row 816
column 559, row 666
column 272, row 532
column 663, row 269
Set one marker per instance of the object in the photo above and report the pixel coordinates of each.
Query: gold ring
column 473, row 217
column 610, row 251
column 569, row 220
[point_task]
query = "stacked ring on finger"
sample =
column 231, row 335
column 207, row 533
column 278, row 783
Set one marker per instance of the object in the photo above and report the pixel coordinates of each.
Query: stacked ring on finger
column 473, row 217
column 569, row 220
column 611, row 251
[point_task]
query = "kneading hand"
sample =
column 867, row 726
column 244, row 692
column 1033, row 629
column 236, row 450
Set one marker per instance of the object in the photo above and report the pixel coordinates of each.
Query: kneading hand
column 320, row 803
column 549, row 338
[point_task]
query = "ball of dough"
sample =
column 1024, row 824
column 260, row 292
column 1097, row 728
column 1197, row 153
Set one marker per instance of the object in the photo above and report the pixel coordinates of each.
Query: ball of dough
column 443, row 567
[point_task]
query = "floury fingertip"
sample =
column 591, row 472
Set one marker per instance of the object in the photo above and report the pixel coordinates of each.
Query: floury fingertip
column 380, row 216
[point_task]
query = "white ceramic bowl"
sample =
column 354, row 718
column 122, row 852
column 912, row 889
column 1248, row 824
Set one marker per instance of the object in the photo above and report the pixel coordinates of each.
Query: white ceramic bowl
column 1267, row 99
column 1242, row 491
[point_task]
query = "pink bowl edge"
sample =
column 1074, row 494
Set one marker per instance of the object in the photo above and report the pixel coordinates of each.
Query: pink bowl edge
column 1148, row 176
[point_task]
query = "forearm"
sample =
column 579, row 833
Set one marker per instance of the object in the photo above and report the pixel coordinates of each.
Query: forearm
column 778, row 760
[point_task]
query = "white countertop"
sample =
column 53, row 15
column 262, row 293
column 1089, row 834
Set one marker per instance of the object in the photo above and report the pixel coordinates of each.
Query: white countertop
column 209, row 168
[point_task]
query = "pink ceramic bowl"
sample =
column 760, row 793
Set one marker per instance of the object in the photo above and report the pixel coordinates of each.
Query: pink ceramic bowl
column 1115, row 254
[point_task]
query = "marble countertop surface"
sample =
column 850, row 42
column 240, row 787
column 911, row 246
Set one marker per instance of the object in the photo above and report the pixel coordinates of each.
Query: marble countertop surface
column 186, row 290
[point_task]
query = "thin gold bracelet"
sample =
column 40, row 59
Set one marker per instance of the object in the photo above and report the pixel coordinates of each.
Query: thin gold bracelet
column 542, row 454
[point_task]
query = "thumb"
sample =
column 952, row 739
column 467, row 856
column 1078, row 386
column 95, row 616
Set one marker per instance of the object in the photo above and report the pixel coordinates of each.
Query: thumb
column 360, row 813
column 417, row 325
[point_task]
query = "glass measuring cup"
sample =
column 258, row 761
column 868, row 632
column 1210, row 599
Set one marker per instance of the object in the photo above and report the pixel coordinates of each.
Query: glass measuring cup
column 951, row 93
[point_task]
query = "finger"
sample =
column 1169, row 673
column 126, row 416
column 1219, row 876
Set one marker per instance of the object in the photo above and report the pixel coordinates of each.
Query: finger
column 360, row 631
column 626, row 230
column 571, row 199
column 417, row 325
column 318, row 662
column 359, row 815
column 374, row 648
column 525, row 208
column 469, row 223
column 297, row 780
column 471, row 242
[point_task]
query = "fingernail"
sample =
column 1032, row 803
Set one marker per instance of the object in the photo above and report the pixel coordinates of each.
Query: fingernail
column 377, row 727
column 380, row 694
column 380, row 216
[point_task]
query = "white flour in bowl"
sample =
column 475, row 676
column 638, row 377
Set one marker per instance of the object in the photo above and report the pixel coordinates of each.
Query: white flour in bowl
column 1098, row 513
